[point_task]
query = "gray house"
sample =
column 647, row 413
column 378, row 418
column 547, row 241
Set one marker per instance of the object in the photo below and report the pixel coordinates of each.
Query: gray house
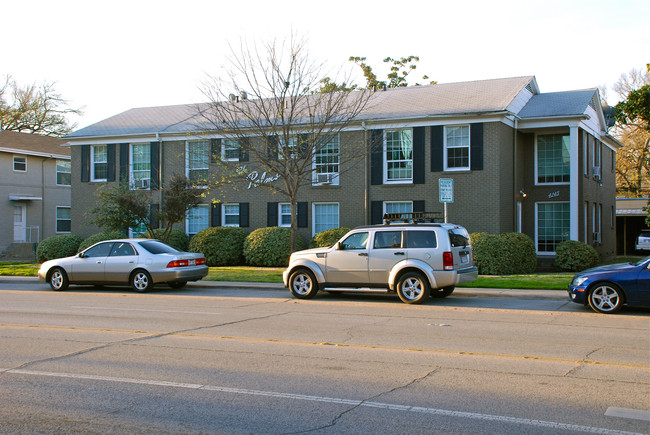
column 519, row 160
column 34, row 191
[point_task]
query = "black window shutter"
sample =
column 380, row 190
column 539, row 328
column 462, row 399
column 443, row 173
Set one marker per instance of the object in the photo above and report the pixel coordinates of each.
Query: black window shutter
column 215, row 150
column 272, row 147
column 476, row 146
column 376, row 157
column 303, row 221
column 244, row 146
column 110, row 155
column 418, row 205
column 272, row 214
column 243, row 214
column 85, row 163
column 155, row 165
column 376, row 212
column 215, row 214
column 153, row 215
column 303, row 145
column 124, row 162
column 418, row 155
column 437, row 153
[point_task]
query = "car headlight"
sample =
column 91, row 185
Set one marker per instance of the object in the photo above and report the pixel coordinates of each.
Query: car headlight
column 578, row 280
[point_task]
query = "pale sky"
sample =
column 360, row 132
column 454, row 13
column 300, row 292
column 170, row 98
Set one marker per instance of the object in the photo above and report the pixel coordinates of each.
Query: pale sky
column 110, row 56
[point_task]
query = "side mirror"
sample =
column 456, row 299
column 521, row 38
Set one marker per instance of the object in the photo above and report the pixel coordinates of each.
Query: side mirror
column 337, row 246
column 81, row 255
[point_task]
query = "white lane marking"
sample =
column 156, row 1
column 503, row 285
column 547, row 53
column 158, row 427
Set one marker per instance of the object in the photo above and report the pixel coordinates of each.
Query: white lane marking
column 335, row 400
column 142, row 309
column 636, row 414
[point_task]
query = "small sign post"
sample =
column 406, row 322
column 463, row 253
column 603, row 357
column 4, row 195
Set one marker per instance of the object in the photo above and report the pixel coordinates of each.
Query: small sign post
column 446, row 189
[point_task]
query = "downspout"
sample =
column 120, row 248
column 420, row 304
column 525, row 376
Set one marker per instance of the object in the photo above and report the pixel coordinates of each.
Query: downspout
column 514, row 176
column 366, row 193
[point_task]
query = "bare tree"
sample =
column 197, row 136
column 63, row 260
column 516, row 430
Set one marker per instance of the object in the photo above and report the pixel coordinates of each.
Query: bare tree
column 34, row 109
column 271, row 102
column 633, row 162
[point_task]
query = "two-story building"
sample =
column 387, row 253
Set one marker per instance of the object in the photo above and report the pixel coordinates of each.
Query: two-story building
column 34, row 190
column 520, row 160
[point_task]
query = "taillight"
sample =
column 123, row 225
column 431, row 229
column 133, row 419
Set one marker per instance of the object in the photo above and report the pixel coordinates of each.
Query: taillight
column 447, row 261
column 185, row 263
column 200, row 261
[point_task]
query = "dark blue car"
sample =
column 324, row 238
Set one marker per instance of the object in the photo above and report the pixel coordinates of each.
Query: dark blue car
column 607, row 288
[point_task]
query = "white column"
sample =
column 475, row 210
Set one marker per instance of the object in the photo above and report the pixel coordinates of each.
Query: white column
column 574, row 194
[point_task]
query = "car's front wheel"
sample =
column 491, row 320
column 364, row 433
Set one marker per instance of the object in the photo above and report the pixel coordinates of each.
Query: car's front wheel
column 141, row 281
column 303, row 284
column 413, row 288
column 606, row 298
column 58, row 279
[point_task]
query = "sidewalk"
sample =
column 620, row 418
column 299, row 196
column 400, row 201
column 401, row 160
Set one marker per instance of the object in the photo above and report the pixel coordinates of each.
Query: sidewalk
column 459, row 292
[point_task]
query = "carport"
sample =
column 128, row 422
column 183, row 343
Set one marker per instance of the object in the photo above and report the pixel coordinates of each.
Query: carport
column 630, row 220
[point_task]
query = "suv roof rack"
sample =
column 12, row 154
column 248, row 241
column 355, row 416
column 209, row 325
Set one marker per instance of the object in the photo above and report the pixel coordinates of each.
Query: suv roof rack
column 416, row 217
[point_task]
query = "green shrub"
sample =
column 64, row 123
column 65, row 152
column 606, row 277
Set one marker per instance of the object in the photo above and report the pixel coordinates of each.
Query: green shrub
column 222, row 246
column 63, row 245
column 176, row 238
column 270, row 246
column 100, row 237
column 574, row 256
column 328, row 237
column 504, row 254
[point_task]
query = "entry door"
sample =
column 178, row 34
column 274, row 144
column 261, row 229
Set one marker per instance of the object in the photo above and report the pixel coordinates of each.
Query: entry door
column 20, row 219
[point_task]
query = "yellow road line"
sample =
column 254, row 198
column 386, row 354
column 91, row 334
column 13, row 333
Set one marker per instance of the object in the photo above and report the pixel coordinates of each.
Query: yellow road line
column 334, row 344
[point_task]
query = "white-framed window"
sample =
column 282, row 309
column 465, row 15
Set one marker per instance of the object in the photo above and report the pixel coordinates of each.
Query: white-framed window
column 552, row 159
column 98, row 163
column 197, row 219
column 63, row 173
column 140, row 230
column 398, row 150
column 326, row 163
column 230, row 215
column 140, row 167
column 230, row 150
column 325, row 216
column 284, row 214
column 597, row 213
column 197, row 161
column 457, row 147
column 585, row 152
column 398, row 207
column 20, row 164
column 288, row 149
column 63, row 220
column 553, row 225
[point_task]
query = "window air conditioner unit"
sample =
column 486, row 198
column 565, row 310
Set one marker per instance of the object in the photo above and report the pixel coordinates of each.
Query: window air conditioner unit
column 143, row 183
column 597, row 237
column 596, row 172
column 324, row 178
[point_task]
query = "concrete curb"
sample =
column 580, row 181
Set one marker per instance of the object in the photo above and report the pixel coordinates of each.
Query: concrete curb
column 459, row 292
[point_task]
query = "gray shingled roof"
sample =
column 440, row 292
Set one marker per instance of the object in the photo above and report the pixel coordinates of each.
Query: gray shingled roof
column 558, row 104
column 397, row 103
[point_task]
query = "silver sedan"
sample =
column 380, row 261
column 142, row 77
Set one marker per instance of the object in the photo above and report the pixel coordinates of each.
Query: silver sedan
column 142, row 263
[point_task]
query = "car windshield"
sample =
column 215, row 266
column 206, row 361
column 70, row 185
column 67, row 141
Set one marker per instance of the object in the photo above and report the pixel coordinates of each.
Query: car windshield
column 158, row 247
column 641, row 261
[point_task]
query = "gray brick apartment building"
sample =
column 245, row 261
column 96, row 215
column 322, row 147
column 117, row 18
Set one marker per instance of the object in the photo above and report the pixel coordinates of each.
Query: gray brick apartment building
column 520, row 160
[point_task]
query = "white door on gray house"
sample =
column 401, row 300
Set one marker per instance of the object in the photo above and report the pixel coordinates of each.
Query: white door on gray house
column 20, row 219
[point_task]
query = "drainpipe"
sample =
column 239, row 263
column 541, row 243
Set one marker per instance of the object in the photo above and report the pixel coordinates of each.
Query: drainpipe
column 514, row 175
column 366, row 193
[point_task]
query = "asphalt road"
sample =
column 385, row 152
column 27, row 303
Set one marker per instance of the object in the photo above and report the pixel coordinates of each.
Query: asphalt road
column 227, row 359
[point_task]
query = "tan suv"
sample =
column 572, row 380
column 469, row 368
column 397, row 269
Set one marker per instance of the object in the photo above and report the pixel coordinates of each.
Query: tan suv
column 415, row 260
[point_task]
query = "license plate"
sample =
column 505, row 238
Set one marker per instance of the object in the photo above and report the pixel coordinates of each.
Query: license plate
column 192, row 262
column 464, row 258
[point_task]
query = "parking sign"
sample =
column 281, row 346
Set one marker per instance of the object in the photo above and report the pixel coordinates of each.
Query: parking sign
column 446, row 188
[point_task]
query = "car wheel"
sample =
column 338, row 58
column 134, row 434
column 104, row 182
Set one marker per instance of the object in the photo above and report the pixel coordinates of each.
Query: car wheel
column 141, row 281
column 303, row 284
column 177, row 284
column 442, row 292
column 58, row 279
column 413, row 288
column 606, row 298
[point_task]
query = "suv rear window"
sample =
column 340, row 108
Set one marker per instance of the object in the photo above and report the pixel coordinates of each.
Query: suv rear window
column 459, row 238
column 421, row 239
